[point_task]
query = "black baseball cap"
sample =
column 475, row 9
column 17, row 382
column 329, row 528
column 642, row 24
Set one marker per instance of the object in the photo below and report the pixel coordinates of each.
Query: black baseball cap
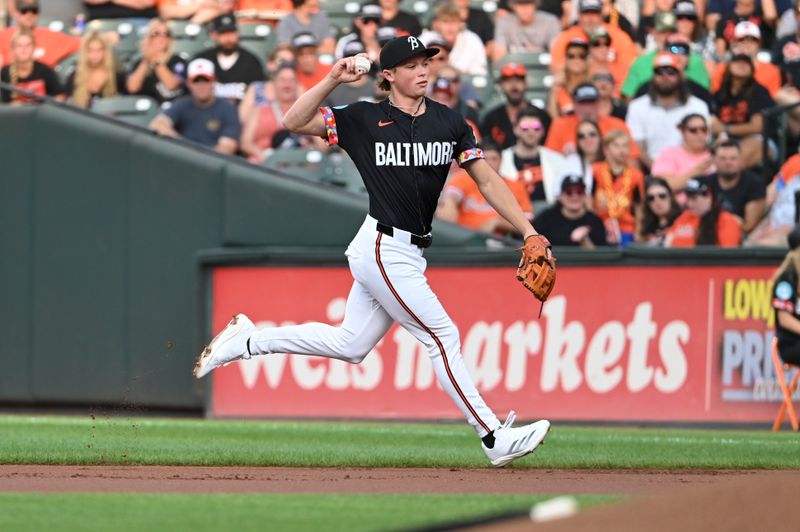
column 697, row 186
column 223, row 23
column 352, row 48
column 572, row 180
column 399, row 49
column 585, row 92
column 304, row 39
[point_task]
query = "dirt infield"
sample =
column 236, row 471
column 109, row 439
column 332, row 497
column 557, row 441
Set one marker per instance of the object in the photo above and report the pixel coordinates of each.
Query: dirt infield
column 43, row 478
column 662, row 500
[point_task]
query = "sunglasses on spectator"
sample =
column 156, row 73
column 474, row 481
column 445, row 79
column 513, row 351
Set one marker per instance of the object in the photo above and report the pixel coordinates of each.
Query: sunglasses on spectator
column 697, row 129
column 575, row 190
column 600, row 42
column 587, row 135
column 678, row 48
column 576, row 56
column 687, row 17
column 160, row 34
column 530, row 125
column 658, row 195
column 665, row 71
column 25, row 10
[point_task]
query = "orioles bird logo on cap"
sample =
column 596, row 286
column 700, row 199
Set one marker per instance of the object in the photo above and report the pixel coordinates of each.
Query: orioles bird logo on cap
column 414, row 42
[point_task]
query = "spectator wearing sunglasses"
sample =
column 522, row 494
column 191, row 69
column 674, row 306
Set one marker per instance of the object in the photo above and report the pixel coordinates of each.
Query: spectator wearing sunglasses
column 653, row 118
column 602, row 58
column 365, row 30
column 590, row 17
column 574, row 72
column 657, row 213
column 691, row 63
column 692, row 158
column 51, row 46
column 568, row 222
column 747, row 41
column 159, row 73
column 703, row 222
column 530, row 162
column 588, row 150
column 561, row 137
column 498, row 124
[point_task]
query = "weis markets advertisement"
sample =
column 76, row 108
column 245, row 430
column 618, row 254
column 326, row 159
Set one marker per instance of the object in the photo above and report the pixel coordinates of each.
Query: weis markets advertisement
column 612, row 343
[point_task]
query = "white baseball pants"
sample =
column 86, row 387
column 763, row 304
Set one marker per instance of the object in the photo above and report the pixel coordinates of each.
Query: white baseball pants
column 390, row 286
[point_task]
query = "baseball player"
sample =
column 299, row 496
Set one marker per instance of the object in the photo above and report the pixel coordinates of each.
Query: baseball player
column 403, row 147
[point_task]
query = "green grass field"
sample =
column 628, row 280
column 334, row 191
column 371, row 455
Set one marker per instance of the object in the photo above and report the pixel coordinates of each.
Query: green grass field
column 103, row 440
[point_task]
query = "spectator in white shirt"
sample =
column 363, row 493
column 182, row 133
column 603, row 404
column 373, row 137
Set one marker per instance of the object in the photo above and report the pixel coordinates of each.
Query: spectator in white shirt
column 654, row 117
column 467, row 53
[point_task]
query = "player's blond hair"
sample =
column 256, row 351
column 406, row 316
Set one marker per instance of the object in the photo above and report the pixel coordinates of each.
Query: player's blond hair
column 13, row 72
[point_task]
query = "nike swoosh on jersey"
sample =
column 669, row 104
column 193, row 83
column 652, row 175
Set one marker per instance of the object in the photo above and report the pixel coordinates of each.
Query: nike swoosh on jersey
column 381, row 123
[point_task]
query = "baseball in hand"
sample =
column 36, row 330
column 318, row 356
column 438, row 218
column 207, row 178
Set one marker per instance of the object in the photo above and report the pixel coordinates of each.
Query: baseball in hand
column 362, row 64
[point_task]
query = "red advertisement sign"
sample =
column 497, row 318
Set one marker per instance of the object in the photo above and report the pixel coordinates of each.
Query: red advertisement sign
column 613, row 343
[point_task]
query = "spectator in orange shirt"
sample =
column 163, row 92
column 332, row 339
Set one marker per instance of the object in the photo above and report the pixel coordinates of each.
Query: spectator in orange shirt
column 618, row 188
column 51, row 46
column 197, row 11
column 657, row 213
column 747, row 41
column 564, row 128
column 574, row 72
column 306, row 52
column 462, row 202
column 589, row 18
column 603, row 59
column 703, row 223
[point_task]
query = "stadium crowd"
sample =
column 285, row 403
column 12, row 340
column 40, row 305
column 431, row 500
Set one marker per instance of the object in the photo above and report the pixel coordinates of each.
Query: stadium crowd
column 613, row 122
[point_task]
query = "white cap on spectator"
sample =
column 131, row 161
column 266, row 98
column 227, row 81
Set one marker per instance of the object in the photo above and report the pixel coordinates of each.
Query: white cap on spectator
column 746, row 29
column 201, row 68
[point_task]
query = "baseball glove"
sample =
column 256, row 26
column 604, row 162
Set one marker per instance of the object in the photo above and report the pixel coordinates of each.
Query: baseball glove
column 537, row 267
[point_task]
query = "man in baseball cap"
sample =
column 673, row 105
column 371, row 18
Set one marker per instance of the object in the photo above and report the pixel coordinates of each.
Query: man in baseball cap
column 568, row 222
column 201, row 117
column 747, row 41
column 400, row 50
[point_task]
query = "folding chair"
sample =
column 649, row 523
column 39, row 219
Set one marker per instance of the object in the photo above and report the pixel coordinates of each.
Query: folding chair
column 786, row 405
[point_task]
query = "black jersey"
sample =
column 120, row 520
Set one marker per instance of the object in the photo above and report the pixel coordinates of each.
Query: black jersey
column 403, row 160
column 785, row 297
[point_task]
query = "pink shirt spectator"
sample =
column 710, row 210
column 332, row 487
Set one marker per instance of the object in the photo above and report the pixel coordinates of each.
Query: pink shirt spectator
column 676, row 160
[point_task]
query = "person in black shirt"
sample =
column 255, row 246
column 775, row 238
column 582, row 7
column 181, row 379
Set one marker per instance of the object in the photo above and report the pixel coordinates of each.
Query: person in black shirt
column 98, row 9
column 498, row 124
column 405, row 23
column 739, row 192
column 740, row 102
column 785, row 298
column 158, row 73
column 568, row 222
column 403, row 148
column 27, row 74
column 235, row 67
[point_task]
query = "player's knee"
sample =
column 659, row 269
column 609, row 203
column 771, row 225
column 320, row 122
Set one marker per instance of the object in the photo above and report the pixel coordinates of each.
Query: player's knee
column 354, row 349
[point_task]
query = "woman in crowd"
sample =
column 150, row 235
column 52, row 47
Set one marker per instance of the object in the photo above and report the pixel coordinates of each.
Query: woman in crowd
column 740, row 102
column 95, row 74
column 657, row 213
column 618, row 188
column 27, row 74
column 785, row 293
column 574, row 72
column 692, row 158
column 159, row 73
column 267, row 120
column 589, row 151
column 261, row 93
column 703, row 223
column 608, row 104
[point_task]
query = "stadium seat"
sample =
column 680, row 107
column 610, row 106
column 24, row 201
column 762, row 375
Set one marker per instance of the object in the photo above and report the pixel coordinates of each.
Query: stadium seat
column 340, row 170
column 137, row 110
column 531, row 61
column 258, row 38
column 65, row 67
column 184, row 30
column 186, row 49
column 786, row 392
column 297, row 161
column 129, row 36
